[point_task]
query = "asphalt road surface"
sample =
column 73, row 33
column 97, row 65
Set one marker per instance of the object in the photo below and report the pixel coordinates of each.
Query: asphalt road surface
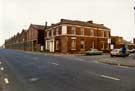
column 20, row 71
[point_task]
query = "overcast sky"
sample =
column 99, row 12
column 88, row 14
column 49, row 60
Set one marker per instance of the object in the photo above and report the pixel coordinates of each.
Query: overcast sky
column 16, row 15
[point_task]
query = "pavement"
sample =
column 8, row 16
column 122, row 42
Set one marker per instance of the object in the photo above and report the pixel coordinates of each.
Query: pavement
column 120, row 61
column 106, row 59
column 38, row 72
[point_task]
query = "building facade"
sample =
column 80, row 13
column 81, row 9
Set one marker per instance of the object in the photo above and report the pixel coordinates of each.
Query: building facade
column 71, row 36
column 35, row 37
column 119, row 42
column 28, row 40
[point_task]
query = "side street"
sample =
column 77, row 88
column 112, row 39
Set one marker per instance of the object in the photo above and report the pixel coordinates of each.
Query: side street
column 104, row 58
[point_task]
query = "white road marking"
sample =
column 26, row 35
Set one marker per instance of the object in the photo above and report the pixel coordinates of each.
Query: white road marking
column 2, row 68
column 0, row 62
column 54, row 63
column 6, row 80
column 109, row 77
column 33, row 79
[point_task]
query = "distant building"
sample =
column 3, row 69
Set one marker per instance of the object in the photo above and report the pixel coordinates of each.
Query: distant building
column 29, row 40
column 118, row 42
column 35, row 37
column 73, row 36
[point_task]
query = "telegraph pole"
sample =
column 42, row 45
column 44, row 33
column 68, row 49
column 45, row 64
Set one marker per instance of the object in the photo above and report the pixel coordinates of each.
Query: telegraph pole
column 134, row 22
column 134, row 14
column 134, row 10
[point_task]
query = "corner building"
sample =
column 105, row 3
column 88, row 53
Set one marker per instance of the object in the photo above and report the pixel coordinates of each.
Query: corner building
column 73, row 36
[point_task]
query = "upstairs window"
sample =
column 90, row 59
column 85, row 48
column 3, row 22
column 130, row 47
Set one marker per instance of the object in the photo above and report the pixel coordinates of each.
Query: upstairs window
column 57, row 31
column 92, row 32
column 73, row 30
column 107, row 34
column 52, row 32
column 82, row 31
column 47, row 33
column 102, row 33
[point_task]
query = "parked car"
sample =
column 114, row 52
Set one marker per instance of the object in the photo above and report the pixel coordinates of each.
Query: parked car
column 132, row 51
column 94, row 52
column 118, row 52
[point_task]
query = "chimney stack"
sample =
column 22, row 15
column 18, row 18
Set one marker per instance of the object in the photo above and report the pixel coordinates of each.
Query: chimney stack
column 45, row 25
column 90, row 21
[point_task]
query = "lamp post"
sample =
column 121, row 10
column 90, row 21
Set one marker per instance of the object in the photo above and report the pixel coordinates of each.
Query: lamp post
column 134, row 14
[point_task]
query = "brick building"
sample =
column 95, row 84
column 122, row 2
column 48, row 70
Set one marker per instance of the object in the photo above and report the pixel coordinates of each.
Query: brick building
column 35, row 37
column 119, row 42
column 23, row 40
column 72, row 36
column 28, row 40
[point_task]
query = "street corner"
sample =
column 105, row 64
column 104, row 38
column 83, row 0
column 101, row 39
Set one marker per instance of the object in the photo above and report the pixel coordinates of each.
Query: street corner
column 128, row 62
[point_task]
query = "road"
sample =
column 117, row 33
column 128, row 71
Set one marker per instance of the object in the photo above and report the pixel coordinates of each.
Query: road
column 20, row 71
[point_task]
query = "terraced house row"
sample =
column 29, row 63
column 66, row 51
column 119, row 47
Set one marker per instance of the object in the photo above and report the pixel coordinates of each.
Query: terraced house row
column 66, row 36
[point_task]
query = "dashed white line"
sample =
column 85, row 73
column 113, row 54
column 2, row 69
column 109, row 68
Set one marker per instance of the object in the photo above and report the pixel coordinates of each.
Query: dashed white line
column 34, row 79
column 2, row 68
column 109, row 77
column 0, row 62
column 54, row 63
column 6, row 80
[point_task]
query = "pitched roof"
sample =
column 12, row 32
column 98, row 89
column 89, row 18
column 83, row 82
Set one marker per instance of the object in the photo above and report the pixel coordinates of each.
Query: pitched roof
column 81, row 23
column 38, row 27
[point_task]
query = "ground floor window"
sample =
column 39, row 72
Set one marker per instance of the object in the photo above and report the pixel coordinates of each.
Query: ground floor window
column 57, row 44
column 73, row 44
column 103, row 45
column 93, row 45
column 82, row 44
column 47, row 45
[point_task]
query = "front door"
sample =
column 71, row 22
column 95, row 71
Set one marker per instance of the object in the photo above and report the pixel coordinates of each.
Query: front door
column 52, row 46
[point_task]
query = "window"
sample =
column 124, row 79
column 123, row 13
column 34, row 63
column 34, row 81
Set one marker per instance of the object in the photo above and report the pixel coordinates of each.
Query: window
column 73, row 44
column 73, row 30
column 52, row 32
column 82, row 44
column 47, row 33
column 91, row 32
column 107, row 34
column 102, row 33
column 64, row 29
column 57, row 44
column 103, row 45
column 57, row 31
column 82, row 31
column 93, row 44
column 47, row 45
